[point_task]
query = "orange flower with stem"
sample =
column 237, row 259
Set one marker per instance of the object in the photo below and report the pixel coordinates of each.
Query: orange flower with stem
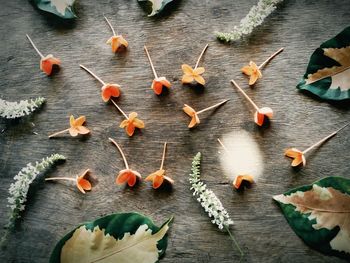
column 158, row 82
column 117, row 42
column 194, row 74
column 108, row 90
column 194, row 114
column 81, row 182
column 299, row 156
column 127, row 175
column 159, row 176
column 131, row 122
column 239, row 179
column 253, row 71
column 76, row 127
column 46, row 62
column 260, row 113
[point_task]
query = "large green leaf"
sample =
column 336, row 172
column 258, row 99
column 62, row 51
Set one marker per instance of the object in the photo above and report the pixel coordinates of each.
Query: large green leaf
column 328, row 72
column 122, row 237
column 320, row 214
column 61, row 8
column 154, row 7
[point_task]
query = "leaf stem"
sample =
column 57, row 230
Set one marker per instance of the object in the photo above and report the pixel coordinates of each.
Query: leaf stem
column 34, row 46
column 235, row 242
column 120, row 110
column 57, row 133
column 60, row 178
column 150, row 61
column 245, row 94
column 110, row 25
column 92, row 74
column 121, row 152
column 201, row 55
column 324, row 139
column 211, row 107
column 271, row 57
column 163, row 157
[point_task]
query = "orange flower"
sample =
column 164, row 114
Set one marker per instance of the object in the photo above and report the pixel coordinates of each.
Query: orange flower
column 240, row 178
column 158, row 176
column 193, row 114
column 158, row 83
column 46, row 63
column 117, row 43
column 131, row 123
column 297, row 156
column 110, row 90
column 253, row 71
column 127, row 175
column 191, row 74
column 261, row 113
column 81, row 182
column 76, row 127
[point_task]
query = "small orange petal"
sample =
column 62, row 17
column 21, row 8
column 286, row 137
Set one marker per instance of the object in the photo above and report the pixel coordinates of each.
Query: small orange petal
column 138, row 123
column 247, row 70
column 82, row 130
column 132, row 180
column 194, row 121
column 157, row 181
column 130, row 129
column 110, row 90
column 259, row 118
column 189, row 110
column 85, row 184
column 73, row 132
column 165, row 82
column 253, row 78
column 292, row 152
column 187, row 69
column 124, row 123
column 157, row 87
column 199, row 71
column 200, row 79
column 123, row 176
column 79, row 121
column 298, row 160
column 187, row 79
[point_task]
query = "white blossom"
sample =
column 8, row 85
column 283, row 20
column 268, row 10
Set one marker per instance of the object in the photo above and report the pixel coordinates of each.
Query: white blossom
column 12, row 110
column 209, row 201
column 254, row 18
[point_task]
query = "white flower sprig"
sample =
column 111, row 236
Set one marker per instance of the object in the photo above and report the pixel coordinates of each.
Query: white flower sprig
column 12, row 110
column 19, row 189
column 209, row 201
column 254, row 18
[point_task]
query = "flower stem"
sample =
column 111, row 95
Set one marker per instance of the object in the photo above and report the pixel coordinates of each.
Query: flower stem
column 271, row 57
column 245, row 94
column 201, row 55
column 34, row 46
column 57, row 133
column 223, row 146
column 121, row 111
column 324, row 139
column 235, row 242
column 60, row 178
column 92, row 74
column 163, row 157
column 121, row 152
column 150, row 61
column 211, row 107
column 110, row 25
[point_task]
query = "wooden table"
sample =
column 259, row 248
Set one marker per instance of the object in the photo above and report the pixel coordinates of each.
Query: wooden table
column 173, row 39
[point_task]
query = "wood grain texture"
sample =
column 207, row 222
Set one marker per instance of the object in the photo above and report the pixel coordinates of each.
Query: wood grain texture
column 173, row 39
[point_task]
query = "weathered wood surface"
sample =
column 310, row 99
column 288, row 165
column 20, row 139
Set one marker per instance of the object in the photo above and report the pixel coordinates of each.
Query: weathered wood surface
column 260, row 228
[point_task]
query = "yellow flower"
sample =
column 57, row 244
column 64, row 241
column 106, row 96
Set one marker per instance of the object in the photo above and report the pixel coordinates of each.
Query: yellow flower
column 191, row 74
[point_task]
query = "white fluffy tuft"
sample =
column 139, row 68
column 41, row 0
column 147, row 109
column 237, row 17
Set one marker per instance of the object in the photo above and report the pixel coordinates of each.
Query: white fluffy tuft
column 242, row 155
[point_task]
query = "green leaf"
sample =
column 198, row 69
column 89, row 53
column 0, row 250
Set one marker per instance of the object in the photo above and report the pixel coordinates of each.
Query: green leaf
column 153, row 7
column 61, row 8
column 320, row 214
column 328, row 72
column 122, row 237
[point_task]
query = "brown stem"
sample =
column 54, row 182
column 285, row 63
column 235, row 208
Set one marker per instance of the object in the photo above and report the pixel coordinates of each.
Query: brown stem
column 60, row 178
column 110, row 25
column 271, row 57
column 92, row 74
column 34, row 46
column 163, row 157
column 201, row 55
column 150, row 61
column 245, row 94
column 121, row 152
column 211, row 107
column 57, row 133
column 120, row 110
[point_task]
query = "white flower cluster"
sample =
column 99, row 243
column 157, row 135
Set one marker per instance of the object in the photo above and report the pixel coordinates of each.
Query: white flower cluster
column 19, row 189
column 12, row 110
column 207, row 198
column 254, row 18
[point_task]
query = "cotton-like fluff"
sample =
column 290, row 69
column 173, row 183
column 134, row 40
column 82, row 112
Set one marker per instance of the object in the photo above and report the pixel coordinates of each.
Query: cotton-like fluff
column 240, row 158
